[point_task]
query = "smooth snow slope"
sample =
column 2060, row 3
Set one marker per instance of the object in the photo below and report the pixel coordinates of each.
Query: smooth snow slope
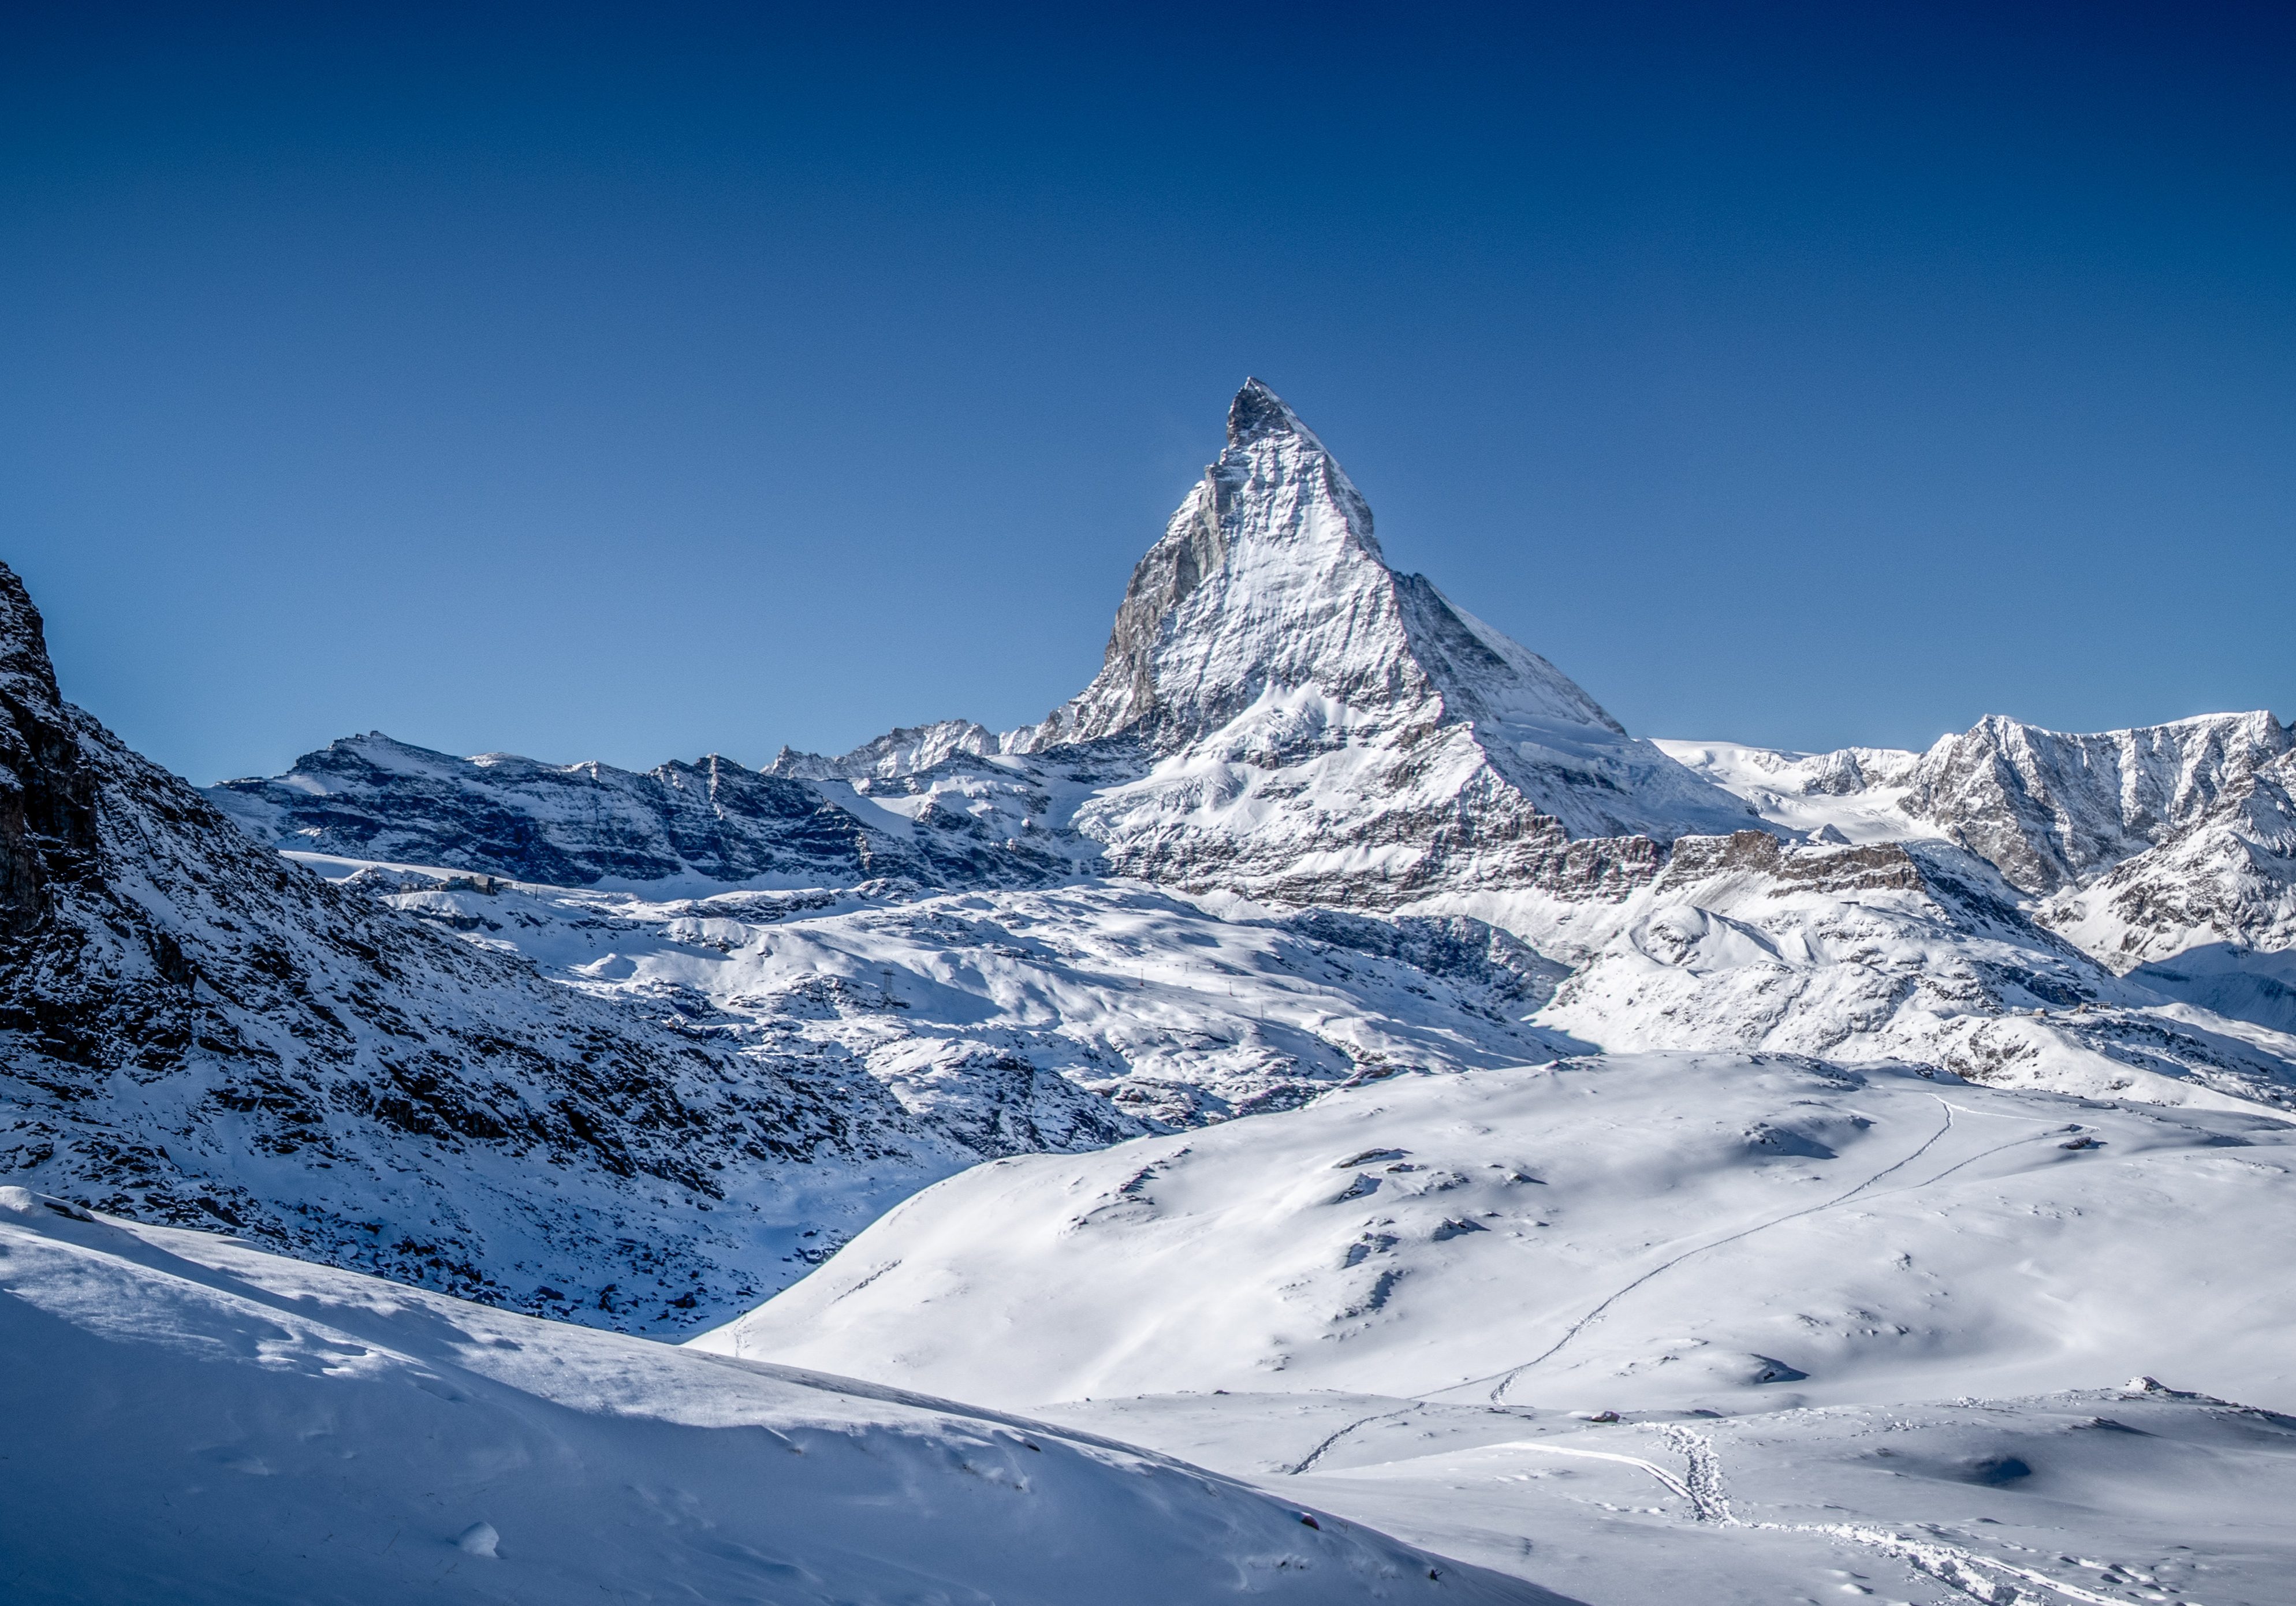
column 1680, row 1229
column 191, row 1420
column 1779, row 1329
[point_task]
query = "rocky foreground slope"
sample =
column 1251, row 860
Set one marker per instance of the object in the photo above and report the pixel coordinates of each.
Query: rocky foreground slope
column 194, row 1029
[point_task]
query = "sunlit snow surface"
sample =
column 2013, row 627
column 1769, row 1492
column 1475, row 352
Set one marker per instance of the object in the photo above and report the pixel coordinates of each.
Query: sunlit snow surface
column 1062, row 1018
column 191, row 1420
column 1862, row 1328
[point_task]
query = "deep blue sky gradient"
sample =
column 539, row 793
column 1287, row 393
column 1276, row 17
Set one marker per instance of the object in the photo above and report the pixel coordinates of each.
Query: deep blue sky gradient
column 633, row 384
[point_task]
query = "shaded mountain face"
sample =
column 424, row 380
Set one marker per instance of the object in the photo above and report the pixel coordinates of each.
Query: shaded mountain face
column 194, row 1029
column 583, row 824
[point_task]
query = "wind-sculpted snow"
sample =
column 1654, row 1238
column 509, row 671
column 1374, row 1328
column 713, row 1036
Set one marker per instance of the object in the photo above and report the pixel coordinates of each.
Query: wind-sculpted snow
column 1775, row 1329
column 193, row 1422
column 195, row 1029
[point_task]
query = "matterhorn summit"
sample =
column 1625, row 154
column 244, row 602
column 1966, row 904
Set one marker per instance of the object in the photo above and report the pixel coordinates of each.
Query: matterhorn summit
column 1321, row 728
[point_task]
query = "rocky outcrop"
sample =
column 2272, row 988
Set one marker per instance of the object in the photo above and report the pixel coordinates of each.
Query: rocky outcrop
column 47, row 806
column 193, row 1029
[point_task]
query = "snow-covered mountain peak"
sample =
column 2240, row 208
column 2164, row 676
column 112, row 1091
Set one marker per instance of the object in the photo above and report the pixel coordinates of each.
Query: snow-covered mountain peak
column 1275, row 668
column 1268, row 584
column 1258, row 412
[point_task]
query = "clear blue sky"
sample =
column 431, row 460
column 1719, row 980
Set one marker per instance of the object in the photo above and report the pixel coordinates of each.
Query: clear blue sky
column 633, row 383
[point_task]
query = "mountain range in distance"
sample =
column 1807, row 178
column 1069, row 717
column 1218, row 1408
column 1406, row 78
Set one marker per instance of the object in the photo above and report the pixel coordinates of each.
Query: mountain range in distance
column 1328, row 931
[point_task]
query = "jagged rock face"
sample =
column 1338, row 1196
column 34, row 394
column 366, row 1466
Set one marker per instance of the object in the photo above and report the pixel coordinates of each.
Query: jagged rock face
column 193, row 1029
column 47, row 812
column 578, row 824
column 2048, row 810
column 2214, row 895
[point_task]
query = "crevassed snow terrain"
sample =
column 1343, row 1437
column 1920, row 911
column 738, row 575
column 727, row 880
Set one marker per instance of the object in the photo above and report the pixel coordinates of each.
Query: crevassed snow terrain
column 1859, row 1326
column 189, row 1420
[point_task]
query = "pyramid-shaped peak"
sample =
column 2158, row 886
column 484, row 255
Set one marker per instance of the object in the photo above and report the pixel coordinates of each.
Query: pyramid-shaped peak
column 1257, row 412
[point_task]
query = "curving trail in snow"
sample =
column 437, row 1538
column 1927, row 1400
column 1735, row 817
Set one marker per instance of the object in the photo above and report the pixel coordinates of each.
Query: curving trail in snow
column 1501, row 1382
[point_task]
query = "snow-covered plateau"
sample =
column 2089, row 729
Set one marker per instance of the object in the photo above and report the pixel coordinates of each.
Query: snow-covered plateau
column 1329, row 1048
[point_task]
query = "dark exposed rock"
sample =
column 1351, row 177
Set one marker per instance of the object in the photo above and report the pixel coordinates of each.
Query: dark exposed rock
column 193, row 1029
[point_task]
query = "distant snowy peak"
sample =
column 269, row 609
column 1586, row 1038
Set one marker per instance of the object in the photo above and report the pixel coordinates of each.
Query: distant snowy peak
column 2167, row 850
column 1269, row 580
column 806, row 822
column 905, row 750
column 2049, row 809
column 1320, row 728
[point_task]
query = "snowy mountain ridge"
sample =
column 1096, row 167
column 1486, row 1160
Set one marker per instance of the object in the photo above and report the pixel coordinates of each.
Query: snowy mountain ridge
column 193, row 1029
column 1282, row 722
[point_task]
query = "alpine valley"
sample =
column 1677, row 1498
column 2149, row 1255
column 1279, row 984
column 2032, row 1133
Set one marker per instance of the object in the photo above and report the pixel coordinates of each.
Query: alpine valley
column 1329, row 1049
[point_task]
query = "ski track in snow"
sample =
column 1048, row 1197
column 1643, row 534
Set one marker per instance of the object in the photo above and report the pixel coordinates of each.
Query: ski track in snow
column 1307, row 1462
column 1502, row 1381
column 1497, row 1394
column 1704, row 1488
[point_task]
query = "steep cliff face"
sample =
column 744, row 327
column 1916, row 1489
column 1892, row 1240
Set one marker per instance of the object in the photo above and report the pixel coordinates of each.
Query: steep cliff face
column 2049, row 809
column 47, row 807
column 194, row 1029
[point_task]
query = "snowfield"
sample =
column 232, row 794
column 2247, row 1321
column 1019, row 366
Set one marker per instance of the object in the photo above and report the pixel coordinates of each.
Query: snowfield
column 1771, row 1326
column 193, row 1421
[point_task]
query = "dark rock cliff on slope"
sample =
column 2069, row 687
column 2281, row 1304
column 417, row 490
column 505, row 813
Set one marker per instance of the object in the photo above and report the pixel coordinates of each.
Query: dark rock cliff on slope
column 194, row 1029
